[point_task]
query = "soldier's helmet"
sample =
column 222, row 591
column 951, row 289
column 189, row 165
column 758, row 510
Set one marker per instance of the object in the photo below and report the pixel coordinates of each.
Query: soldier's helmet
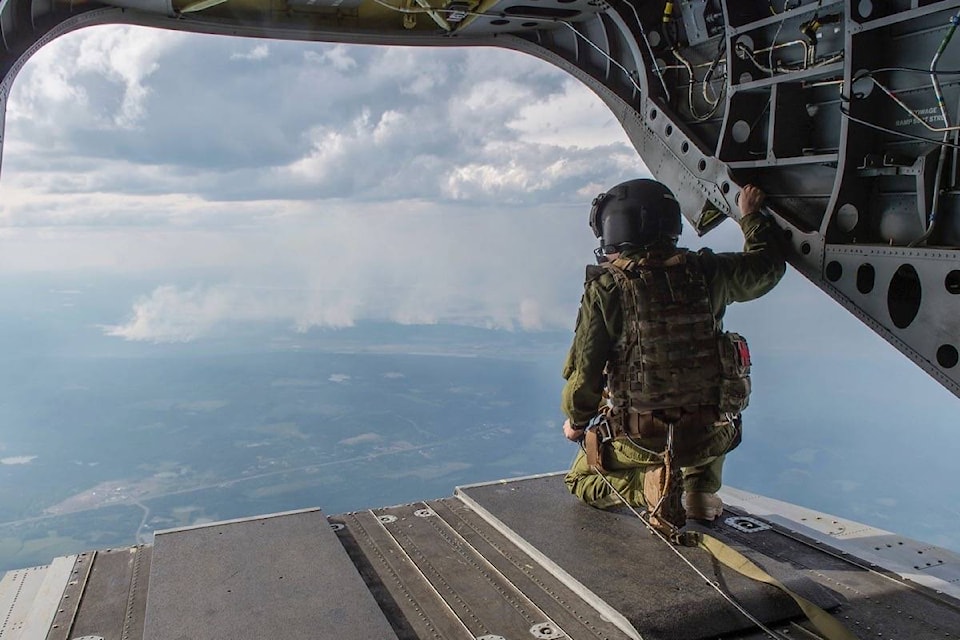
column 635, row 214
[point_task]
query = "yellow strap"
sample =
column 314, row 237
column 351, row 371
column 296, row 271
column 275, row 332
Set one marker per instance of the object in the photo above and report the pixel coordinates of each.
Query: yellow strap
column 830, row 627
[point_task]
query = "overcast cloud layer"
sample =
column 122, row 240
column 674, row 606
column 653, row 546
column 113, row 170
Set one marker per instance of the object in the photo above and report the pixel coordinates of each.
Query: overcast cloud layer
column 332, row 183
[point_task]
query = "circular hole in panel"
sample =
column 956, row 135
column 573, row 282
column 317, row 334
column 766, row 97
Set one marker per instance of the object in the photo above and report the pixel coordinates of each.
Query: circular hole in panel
column 952, row 282
column 702, row 165
column 669, row 130
column 725, row 188
column 746, row 77
column 499, row 22
column 866, row 276
column 653, row 114
column 805, row 248
column 684, row 147
column 865, row 8
column 529, row 24
column 947, row 356
column 834, row 271
column 847, row 217
column 788, row 234
column 740, row 131
column 903, row 296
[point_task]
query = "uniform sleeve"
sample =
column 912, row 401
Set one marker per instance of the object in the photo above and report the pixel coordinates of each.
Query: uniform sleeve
column 739, row 277
column 592, row 344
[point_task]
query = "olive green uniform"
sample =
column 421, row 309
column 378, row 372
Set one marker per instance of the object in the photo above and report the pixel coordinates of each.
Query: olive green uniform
column 730, row 277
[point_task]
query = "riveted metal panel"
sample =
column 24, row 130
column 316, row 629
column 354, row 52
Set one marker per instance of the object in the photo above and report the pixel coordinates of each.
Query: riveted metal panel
column 284, row 576
column 45, row 600
column 17, row 591
column 114, row 593
column 613, row 557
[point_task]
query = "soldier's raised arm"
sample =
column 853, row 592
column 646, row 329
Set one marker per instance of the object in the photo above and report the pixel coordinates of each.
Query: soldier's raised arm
column 743, row 276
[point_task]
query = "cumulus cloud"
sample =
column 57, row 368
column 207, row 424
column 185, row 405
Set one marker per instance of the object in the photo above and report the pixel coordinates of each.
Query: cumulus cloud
column 68, row 75
column 172, row 315
column 337, row 56
column 408, row 262
column 259, row 52
column 308, row 122
column 400, row 184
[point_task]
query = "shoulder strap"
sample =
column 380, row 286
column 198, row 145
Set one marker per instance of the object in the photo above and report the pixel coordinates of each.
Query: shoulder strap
column 594, row 271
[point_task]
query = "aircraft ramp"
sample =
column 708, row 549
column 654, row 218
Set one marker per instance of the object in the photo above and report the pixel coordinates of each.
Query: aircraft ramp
column 508, row 560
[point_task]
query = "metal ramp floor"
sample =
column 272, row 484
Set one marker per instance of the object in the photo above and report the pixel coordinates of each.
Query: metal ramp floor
column 511, row 560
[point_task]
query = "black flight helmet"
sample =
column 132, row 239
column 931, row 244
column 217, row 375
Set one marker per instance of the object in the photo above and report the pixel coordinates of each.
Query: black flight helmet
column 635, row 214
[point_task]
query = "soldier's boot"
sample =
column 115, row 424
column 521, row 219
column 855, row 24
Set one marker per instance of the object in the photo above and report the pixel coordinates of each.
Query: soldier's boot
column 662, row 491
column 702, row 506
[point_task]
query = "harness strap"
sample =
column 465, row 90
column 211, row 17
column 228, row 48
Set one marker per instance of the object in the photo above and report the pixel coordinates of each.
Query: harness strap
column 826, row 624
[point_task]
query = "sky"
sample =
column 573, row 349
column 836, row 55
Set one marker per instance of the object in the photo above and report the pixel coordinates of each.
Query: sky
column 248, row 181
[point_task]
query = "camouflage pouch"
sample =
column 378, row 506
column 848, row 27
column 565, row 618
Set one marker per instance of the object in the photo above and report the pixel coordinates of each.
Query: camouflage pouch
column 593, row 446
column 735, row 372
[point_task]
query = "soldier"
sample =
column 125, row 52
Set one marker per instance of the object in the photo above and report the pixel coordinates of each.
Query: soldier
column 654, row 385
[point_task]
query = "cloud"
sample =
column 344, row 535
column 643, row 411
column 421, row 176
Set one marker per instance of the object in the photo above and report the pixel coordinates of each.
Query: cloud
column 411, row 263
column 324, row 185
column 18, row 460
column 104, row 86
column 573, row 118
column 259, row 52
column 337, row 56
column 363, row 438
column 317, row 122
column 338, row 378
column 172, row 315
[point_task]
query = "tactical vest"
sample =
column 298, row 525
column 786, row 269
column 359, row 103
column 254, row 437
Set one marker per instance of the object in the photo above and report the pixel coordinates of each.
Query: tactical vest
column 667, row 356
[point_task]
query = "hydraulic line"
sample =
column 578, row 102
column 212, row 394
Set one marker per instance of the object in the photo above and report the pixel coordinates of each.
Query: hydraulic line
column 935, row 204
column 653, row 58
column 605, row 55
column 693, row 80
column 906, row 108
column 903, row 134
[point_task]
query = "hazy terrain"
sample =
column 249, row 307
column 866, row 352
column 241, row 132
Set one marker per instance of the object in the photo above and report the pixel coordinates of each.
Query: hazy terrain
column 103, row 441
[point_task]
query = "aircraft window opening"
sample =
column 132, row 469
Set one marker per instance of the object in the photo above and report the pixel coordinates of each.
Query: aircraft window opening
column 903, row 296
column 805, row 248
column 702, row 165
column 952, row 282
column 948, row 356
column 668, row 131
column 653, row 114
column 834, row 271
column 685, row 147
column 725, row 187
column 866, row 277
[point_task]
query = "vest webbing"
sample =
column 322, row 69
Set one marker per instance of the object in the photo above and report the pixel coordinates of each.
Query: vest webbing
column 667, row 355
